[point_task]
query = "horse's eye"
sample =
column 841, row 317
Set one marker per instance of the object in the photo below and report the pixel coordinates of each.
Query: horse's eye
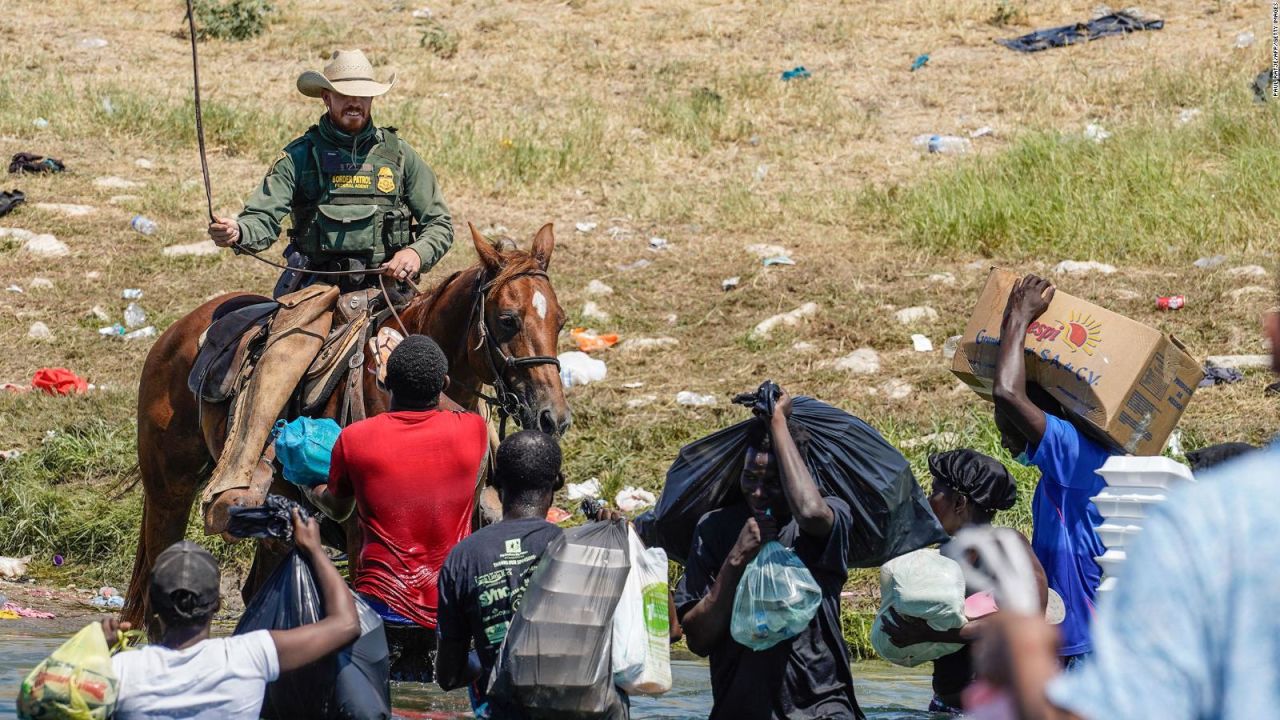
column 509, row 322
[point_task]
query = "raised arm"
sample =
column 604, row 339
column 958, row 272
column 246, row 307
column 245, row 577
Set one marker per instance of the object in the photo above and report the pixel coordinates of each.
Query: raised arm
column 810, row 511
column 1028, row 300
column 340, row 626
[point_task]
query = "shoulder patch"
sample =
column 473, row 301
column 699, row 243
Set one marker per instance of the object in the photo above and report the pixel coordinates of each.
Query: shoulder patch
column 276, row 162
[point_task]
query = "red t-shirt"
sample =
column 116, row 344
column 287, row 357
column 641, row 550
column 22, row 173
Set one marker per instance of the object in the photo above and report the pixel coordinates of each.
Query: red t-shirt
column 413, row 475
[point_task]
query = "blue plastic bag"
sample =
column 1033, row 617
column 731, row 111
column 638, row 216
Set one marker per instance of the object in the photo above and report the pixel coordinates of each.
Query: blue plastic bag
column 776, row 598
column 304, row 448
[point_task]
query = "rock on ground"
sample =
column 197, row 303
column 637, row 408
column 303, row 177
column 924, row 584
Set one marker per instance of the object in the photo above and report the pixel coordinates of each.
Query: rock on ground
column 1252, row 271
column 204, row 247
column 592, row 311
column 1075, row 267
column 911, row 315
column 595, row 287
column 46, row 246
column 67, row 208
column 766, row 326
column 863, row 361
column 641, row 344
column 896, row 389
column 116, row 183
column 39, row 331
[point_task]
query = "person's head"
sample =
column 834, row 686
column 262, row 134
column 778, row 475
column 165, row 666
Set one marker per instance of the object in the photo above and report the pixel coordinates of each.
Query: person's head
column 347, row 88
column 761, row 480
column 1011, row 438
column 417, row 372
column 184, row 589
column 969, row 488
column 527, row 470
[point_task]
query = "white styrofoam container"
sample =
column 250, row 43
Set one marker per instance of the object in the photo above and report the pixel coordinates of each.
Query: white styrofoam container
column 1111, row 561
column 1108, row 584
column 1125, row 506
column 1118, row 534
column 1151, row 472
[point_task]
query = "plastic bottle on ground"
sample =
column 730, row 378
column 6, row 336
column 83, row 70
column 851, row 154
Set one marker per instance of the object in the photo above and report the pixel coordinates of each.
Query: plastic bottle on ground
column 144, row 224
column 146, row 332
column 134, row 316
column 948, row 145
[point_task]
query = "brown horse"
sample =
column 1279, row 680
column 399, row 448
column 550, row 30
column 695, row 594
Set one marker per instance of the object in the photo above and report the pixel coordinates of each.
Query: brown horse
column 497, row 321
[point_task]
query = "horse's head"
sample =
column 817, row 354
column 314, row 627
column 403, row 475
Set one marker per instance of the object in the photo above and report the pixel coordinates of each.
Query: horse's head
column 516, row 338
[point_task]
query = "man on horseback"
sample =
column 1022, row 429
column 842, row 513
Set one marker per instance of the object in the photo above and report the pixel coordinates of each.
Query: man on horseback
column 363, row 206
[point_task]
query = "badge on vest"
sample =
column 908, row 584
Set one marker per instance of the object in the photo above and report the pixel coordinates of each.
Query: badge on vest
column 386, row 180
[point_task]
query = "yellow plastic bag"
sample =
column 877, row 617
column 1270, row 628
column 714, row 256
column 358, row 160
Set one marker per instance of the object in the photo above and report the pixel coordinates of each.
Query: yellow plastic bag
column 74, row 683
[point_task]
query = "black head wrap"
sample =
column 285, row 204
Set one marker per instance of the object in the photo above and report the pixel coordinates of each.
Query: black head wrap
column 984, row 480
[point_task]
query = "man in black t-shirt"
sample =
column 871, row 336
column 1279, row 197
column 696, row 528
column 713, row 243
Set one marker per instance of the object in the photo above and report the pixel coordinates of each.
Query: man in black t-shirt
column 486, row 574
column 808, row 676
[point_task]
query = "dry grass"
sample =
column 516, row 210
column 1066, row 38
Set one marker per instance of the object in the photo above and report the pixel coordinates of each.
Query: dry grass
column 667, row 118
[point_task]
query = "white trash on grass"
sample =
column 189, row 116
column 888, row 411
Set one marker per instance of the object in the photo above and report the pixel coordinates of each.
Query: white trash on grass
column 578, row 368
column 584, row 227
column 592, row 311
column 1252, row 271
column 1212, row 261
column 1096, row 132
column 587, row 489
column 639, row 402
column 789, row 319
column 921, row 343
column 641, row 344
column 39, row 331
column 595, row 287
column 897, row 389
column 116, row 183
column 40, row 284
column 12, row 567
column 763, row 251
column 1077, row 267
column 630, row 499
column 693, row 399
column 200, row 248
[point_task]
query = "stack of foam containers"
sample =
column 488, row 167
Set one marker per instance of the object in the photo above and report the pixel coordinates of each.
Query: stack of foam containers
column 1134, row 486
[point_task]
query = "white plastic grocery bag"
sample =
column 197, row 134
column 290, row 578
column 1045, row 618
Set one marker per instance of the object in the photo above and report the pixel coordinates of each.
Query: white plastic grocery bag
column 641, row 624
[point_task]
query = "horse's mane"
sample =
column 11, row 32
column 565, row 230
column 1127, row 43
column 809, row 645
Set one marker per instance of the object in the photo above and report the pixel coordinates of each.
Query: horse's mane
column 514, row 263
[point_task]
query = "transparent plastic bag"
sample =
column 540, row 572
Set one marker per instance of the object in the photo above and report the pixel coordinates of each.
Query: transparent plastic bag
column 776, row 598
column 642, row 624
column 74, row 683
column 921, row 584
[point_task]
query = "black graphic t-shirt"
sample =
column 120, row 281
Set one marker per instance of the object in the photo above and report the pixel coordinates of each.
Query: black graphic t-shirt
column 483, row 580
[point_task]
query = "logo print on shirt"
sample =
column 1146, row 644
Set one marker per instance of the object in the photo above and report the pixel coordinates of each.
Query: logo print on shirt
column 513, row 546
column 386, row 182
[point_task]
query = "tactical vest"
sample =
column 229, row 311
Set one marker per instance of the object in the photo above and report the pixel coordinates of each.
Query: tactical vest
column 353, row 210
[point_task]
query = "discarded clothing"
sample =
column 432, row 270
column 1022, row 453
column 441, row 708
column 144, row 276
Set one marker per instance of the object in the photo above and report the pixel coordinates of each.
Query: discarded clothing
column 33, row 163
column 26, row 612
column 1113, row 24
column 1220, row 376
column 10, row 200
column 59, row 381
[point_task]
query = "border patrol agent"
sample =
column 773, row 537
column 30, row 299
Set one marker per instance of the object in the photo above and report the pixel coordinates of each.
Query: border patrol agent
column 359, row 197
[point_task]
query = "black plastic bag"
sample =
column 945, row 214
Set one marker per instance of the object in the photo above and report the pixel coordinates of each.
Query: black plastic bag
column 847, row 457
column 272, row 519
column 556, row 659
column 352, row 684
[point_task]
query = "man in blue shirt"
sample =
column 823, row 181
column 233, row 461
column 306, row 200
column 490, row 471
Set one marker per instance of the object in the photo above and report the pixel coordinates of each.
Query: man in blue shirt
column 1033, row 429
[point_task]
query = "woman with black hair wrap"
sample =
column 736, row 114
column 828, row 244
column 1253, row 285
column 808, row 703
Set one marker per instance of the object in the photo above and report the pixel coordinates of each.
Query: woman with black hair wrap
column 969, row 488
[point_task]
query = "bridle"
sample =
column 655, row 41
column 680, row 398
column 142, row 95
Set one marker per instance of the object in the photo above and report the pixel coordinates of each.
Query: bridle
column 508, row 403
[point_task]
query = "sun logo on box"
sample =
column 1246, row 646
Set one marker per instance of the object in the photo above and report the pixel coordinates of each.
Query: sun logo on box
column 1082, row 332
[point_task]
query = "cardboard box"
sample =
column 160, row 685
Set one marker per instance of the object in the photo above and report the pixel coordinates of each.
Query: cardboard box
column 1129, row 383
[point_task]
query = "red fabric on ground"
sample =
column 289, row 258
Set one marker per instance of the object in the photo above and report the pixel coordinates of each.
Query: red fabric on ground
column 413, row 475
column 58, row 381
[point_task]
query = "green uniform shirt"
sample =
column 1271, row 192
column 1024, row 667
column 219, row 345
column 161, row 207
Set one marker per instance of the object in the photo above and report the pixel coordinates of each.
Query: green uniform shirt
column 344, row 186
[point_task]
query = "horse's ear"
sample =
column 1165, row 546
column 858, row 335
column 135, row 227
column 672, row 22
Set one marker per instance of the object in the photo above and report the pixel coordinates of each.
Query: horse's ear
column 543, row 243
column 489, row 256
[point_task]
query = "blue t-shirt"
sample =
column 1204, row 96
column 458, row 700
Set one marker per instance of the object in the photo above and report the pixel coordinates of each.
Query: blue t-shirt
column 1063, row 519
column 1191, row 630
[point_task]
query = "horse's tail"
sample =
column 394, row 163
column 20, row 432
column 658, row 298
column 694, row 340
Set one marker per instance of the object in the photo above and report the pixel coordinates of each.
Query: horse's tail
column 135, row 596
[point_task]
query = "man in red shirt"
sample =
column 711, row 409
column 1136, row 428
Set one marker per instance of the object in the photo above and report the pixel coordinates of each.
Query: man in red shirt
column 411, row 475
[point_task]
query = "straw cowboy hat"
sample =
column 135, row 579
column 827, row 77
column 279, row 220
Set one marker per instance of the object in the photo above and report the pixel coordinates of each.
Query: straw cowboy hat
column 348, row 73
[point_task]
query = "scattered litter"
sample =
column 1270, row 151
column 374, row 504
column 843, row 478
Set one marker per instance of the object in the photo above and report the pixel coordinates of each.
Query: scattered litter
column 896, row 389
column 633, row 385
column 922, row 141
column 616, row 232
column 637, row 265
column 200, row 248
column 11, row 567
column 122, row 199
column 1188, row 115
column 108, row 107
column 648, row 343
column 1247, row 291
column 39, row 331
column 942, row 278
column 948, row 144
column 46, row 246
column 657, row 243
column 1239, row 362
column 92, row 275
column 938, row 439
column 25, row 162
column 585, row 227
column 66, row 208
column 761, row 171
column 803, row 346
column 863, row 361
column 1076, row 267
column 778, row 260
column 141, row 333
column 687, row 397
column 950, row 347
column 40, row 123
column 913, row 315
column 728, row 284
column 92, row 43
column 1127, row 294
column 983, row 131
column 143, row 224
column 422, row 13
column 595, row 287
column 641, row 401
column 131, row 293
column 578, row 368
column 108, row 598
column 1221, row 376
column 919, row 62
column 583, row 490
column 762, row 251
column 134, row 315
column 10, row 200
column 58, row 381
column 1174, row 444
column 797, row 73
column 630, row 499
column 592, row 311
column 116, row 330
column 26, row 612
column 100, row 313
column 1253, row 271
column 791, row 318
column 143, row 163
column 15, row 289
column 1098, row 27
column 590, row 341
column 671, row 318
column 13, row 454
column 1171, row 302
column 116, row 183
column 1096, row 133
column 556, row 515
column 1244, row 40
column 1206, row 263
column 921, row 343
column 57, row 561
column 40, row 284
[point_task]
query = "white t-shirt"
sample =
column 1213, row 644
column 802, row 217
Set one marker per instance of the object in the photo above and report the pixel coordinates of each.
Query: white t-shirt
column 218, row 679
